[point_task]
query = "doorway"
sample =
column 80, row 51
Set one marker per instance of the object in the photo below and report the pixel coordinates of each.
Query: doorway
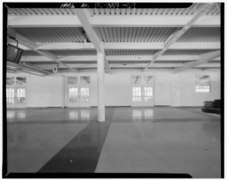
column 16, row 92
column 78, row 91
column 142, row 90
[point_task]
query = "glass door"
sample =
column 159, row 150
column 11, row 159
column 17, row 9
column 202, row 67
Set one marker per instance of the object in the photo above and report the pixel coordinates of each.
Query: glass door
column 78, row 91
column 10, row 92
column 84, row 91
column 10, row 97
column 73, row 92
column 148, row 88
column 16, row 92
column 20, row 92
column 136, row 95
column 142, row 91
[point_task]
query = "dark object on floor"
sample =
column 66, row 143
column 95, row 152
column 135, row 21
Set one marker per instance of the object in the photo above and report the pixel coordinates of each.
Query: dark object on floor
column 212, row 106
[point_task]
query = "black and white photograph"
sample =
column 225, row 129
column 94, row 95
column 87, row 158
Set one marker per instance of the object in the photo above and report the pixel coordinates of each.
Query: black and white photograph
column 113, row 89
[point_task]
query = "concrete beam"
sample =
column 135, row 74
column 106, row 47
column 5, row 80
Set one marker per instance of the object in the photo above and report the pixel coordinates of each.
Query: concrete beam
column 129, row 46
column 176, row 35
column 203, row 58
column 85, row 20
column 33, row 46
column 134, row 65
column 102, row 21
column 113, row 58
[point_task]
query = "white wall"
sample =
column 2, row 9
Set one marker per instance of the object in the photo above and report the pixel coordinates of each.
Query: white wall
column 162, row 89
column 188, row 96
column 43, row 91
column 118, row 89
column 170, row 89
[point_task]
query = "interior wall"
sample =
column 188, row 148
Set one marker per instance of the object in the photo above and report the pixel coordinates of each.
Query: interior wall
column 162, row 89
column 118, row 89
column 170, row 89
column 43, row 91
column 187, row 88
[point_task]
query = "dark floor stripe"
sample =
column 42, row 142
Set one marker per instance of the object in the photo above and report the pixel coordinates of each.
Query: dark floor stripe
column 82, row 153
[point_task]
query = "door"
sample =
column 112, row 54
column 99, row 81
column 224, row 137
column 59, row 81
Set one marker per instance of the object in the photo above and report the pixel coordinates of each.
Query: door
column 10, row 97
column 20, row 97
column 142, row 91
column 85, row 91
column 72, row 91
column 20, row 91
column 16, row 92
column 137, row 95
column 78, row 91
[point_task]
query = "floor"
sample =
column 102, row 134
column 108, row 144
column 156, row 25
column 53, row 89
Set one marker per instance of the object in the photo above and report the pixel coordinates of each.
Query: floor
column 132, row 140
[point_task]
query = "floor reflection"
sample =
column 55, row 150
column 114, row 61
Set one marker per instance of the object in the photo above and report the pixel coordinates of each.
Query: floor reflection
column 148, row 114
column 21, row 115
column 137, row 115
column 10, row 115
column 142, row 114
column 73, row 115
column 83, row 115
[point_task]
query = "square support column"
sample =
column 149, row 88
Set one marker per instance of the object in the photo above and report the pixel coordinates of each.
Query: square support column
column 101, row 75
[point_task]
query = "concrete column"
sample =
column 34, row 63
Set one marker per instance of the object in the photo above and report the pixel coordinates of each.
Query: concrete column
column 64, row 91
column 101, row 74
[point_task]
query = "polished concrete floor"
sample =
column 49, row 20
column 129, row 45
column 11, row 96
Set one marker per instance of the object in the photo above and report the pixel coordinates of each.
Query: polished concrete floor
column 132, row 140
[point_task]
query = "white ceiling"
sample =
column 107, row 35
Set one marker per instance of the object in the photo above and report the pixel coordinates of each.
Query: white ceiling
column 132, row 45
column 117, row 11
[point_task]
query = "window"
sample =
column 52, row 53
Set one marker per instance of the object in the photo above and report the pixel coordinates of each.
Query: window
column 148, row 79
column 21, row 96
column 84, row 80
column 79, row 90
column 10, row 94
column 72, row 80
column 202, row 83
column 20, row 81
column 10, row 81
column 202, row 88
column 143, row 92
column 84, row 93
column 73, row 94
column 148, row 93
column 137, row 95
column 136, row 79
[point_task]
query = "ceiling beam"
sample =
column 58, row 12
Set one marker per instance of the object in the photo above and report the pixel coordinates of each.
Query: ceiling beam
column 134, row 65
column 26, row 68
column 102, row 21
column 85, row 19
column 113, row 58
column 33, row 46
column 128, row 46
column 176, row 35
column 153, row 21
column 203, row 58
column 160, row 45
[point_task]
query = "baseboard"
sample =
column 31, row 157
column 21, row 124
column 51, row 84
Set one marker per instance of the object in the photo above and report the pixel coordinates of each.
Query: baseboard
column 162, row 106
column 48, row 107
column 110, row 106
column 188, row 106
